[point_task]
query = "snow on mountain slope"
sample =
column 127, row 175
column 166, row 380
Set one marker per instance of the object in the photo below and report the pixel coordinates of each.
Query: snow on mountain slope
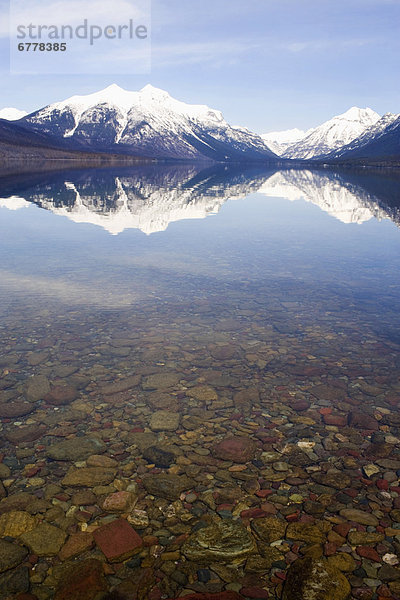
column 333, row 134
column 14, row 203
column 149, row 200
column 12, row 114
column 371, row 135
column 279, row 141
column 328, row 191
column 149, row 123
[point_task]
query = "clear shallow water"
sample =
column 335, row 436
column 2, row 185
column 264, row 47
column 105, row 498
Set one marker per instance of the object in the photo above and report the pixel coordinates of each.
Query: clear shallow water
column 267, row 303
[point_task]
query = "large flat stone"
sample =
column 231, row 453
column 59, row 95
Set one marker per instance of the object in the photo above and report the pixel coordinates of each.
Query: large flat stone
column 315, row 579
column 117, row 540
column 82, row 581
column 235, row 448
column 224, row 541
column 165, row 485
column 88, row 477
column 77, row 448
column 44, row 540
column 163, row 420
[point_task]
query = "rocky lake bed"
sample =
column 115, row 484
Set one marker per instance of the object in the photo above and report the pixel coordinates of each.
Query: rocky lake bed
column 174, row 457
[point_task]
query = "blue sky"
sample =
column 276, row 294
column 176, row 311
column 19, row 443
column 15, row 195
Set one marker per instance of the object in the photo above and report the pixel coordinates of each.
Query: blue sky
column 267, row 64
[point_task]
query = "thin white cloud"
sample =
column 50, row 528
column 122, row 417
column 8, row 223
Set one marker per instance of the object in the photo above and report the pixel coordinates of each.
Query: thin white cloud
column 222, row 52
column 326, row 44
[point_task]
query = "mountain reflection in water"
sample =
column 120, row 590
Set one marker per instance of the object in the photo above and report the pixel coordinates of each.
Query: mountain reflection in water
column 150, row 197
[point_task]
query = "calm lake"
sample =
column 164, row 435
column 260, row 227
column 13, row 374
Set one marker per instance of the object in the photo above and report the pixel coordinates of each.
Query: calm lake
column 199, row 380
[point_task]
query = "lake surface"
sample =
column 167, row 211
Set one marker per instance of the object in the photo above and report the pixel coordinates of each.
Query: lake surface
column 209, row 356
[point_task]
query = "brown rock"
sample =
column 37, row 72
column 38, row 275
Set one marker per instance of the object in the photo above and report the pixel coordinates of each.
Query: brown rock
column 362, row 420
column 76, row 544
column 305, row 532
column 16, row 408
column 117, row 540
column 88, row 477
column 60, row 395
column 15, row 523
column 269, row 529
column 44, row 540
column 30, row 433
column 82, row 581
column 236, row 449
column 315, row 579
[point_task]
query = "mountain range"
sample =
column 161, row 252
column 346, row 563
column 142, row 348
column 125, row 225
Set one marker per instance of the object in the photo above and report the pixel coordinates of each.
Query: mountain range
column 150, row 197
column 151, row 125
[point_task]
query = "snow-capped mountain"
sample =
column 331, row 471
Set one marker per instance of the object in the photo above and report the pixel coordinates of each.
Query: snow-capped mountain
column 333, row 134
column 146, row 123
column 382, row 139
column 279, row 141
column 149, row 198
column 329, row 191
column 12, row 114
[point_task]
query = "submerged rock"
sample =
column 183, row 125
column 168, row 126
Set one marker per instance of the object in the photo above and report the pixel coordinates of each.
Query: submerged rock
column 165, row 485
column 235, row 448
column 315, row 579
column 77, row 448
column 44, row 540
column 36, row 388
column 163, row 420
column 84, row 580
column 225, row 541
column 117, row 540
column 88, row 477
column 11, row 555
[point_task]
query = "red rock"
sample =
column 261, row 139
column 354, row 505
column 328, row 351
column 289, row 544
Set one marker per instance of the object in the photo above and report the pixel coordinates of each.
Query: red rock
column 76, row 544
column 32, row 472
column 382, row 484
column 252, row 513
column 326, row 410
column 264, row 493
column 350, row 492
column 368, row 552
column 254, row 592
column 330, row 549
column 337, row 420
column 236, row 449
column 362, row 420
column 83, row 581
column 154, row 594
column 342, row 529
column 300, row 405
column 150, row 540
column 117, row 540
column 383, row 591
column 292, row 517
column 362, row 593
column 269, row 508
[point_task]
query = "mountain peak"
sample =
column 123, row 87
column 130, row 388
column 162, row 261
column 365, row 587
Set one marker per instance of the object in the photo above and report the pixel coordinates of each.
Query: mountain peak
column 333, row 134
column 12, row 114
column 151, row 89
column 355, row 113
